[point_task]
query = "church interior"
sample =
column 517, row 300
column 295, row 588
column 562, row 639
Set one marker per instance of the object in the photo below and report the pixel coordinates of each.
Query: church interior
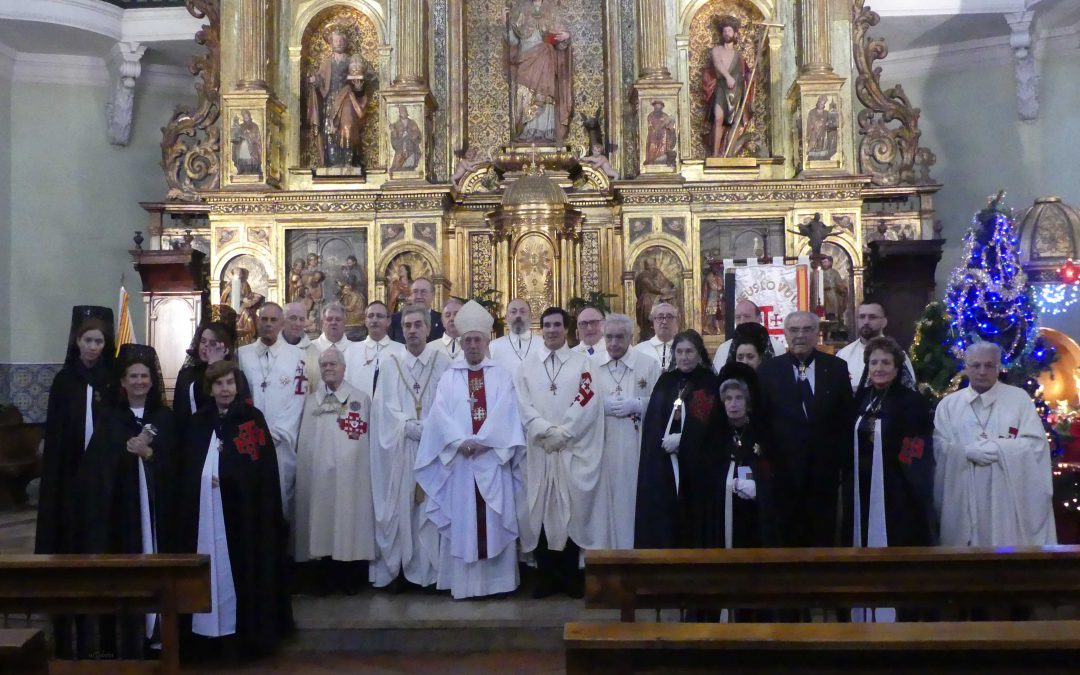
column 211, row 155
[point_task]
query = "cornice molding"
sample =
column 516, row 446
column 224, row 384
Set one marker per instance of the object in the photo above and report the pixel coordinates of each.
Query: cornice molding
column 92, row 71
column 144, row 24
column 7, row 62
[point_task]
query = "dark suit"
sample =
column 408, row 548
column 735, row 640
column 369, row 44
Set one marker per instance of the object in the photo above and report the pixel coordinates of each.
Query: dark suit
column 809, row 455
column 397, row 335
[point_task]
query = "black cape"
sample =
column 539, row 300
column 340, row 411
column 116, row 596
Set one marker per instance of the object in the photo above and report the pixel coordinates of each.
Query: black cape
column 65, row 426
column 254, row 522
column 753, row 521
column 907, row 453
column 665, row 519
column 195, row 373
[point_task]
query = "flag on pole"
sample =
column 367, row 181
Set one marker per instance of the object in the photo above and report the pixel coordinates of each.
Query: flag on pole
column 125, row 331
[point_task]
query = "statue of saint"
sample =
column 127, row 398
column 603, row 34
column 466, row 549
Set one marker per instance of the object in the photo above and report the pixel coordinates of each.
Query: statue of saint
column 599, row 160
column 835, row 291
column 660, row 144
column 397, row 296
column 336, row 101
column 296, row 279
column 238, row 294
column 821, row 127
column 724, row 82
column 405, row 139
column 540, row 72
column 712, row 302
column 816, row 231
column 247, row 145
column 651, row 287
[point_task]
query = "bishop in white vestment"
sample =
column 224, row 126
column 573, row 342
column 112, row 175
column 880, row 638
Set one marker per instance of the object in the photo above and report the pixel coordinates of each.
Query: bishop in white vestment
column 407, row 539
column 467, row 464
column 335, row 518
column 992, row 483
column 623, row 378
column 275, row 372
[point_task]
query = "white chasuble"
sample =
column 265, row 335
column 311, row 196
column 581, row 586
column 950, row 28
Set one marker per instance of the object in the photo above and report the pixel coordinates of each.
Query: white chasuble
column 276, row 375
column 562, row 468
column 631, row 377
column 334, row 513
column 471, row 499
column 1008, row 501
column 212, row 541
column 365, row 360
column 406, row 539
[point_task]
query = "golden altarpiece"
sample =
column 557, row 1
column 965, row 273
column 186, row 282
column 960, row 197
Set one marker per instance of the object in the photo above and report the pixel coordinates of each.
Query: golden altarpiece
column 544, row 149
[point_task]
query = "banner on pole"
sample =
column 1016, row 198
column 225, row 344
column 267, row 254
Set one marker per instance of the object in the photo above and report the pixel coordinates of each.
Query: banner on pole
column 777, row 290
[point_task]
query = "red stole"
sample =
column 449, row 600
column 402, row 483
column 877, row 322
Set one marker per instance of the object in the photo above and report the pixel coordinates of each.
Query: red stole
column 478, row 413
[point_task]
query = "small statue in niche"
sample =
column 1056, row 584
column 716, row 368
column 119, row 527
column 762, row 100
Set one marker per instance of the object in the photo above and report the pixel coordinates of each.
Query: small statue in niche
column 724, row 83
column 821, row 128
column 651, row 286
column 816, row 231
column 246, row 142
column 405, row 139
column 541, row 72
column 238, row 294
column 336, row 102
column 834, row 291
column 660, row 143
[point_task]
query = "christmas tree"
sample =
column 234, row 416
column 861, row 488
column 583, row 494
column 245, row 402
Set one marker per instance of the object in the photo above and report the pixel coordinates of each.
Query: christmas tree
column 988, row 299
column 936, row 369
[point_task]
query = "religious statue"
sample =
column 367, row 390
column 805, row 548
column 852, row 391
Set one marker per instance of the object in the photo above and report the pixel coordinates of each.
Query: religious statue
column 816, row 231
column 354, row 303
column 296, row 280
column 599, row 160
column 834, row 291
column 336, row 102
column 821, row 128
column 405, row 139
column 712, row 302
column 237, row 293
column 724, row 82
column 397, row 296
column 351, row 274
column 651, row 287
column 660, row 142
column 246, row 145
column 540, row 72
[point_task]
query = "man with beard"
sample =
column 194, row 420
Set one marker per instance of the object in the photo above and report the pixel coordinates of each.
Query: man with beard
column 407, row 540
column 275, row 372
column 870, row 320
column 564, row 432
column 511, row 349
column 808, row 395
column 590, row 323
column 293, row 332
column 723, row 84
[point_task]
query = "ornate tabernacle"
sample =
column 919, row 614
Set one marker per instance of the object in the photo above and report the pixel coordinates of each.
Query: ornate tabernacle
column 544, row 149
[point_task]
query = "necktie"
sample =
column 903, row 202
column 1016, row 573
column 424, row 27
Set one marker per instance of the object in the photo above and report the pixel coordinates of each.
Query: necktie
column 663, row 358
column 591, row 351
column 453, row 346
column 806, row 392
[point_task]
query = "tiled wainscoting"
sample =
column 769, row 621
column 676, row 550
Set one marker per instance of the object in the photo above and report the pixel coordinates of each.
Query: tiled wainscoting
column 26, row 386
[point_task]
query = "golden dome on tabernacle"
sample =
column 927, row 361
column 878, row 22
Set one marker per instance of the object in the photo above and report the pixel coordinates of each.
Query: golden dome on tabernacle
column 534, row 191
column 1049, row 232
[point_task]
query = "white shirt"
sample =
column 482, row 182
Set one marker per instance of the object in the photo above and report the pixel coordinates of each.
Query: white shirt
column 659, row 350
column 597, row 349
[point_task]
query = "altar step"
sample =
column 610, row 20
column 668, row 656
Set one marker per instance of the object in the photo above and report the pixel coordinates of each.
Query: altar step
column 417, row 623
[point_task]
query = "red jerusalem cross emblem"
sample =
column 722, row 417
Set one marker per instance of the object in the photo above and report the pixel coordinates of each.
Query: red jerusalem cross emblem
column 352, row 425
column 911, row 448
column 585, row 392
column 249, row 439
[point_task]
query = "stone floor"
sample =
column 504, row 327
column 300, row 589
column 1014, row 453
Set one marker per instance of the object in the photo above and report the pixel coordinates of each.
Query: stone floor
column 410, row 633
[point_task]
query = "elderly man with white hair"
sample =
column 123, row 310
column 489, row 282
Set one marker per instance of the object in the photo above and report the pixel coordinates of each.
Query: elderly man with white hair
column 333, row 335
column 624, row 379
column 467, row 465
column 295, row 320
column 992, row 483
column 665, row 322
column 335, row 520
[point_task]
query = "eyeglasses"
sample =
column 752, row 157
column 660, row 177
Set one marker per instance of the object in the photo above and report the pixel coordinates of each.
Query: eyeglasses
column 664, row 317
column 585, row 324
column 377, row 316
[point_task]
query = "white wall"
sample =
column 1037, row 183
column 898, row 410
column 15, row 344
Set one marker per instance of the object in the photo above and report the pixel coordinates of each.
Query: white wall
column 5, row 209
column 74, row 208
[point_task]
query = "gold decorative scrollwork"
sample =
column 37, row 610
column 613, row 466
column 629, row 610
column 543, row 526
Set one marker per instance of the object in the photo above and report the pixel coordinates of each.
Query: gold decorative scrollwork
column 191, row 141
column 590, row 262
column 888, row 154
column 483, row 274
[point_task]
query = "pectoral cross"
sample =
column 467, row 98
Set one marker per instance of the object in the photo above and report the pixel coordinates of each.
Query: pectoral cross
column 618, row 389
column 554, row 387
column 264, row 385
column 416, row 388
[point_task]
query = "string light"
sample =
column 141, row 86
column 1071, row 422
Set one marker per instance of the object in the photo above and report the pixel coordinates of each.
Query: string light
column 1054, row 299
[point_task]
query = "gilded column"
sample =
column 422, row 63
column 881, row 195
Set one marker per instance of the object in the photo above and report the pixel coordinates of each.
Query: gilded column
column 815, row 38
column 652, row 29
column 253, row 60
column 410, row 44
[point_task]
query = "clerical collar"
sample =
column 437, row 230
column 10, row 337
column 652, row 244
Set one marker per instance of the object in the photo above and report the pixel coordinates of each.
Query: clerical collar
column 657, row 342
column 273, row 349
column 382, row 343
column 462, row 364
column 423, row 358
column 562, row 353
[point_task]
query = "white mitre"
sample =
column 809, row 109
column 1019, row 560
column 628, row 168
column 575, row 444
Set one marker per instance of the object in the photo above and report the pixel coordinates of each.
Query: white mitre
column 473, row 318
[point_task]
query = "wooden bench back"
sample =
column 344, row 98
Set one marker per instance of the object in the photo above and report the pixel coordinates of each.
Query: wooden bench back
column 832, row 577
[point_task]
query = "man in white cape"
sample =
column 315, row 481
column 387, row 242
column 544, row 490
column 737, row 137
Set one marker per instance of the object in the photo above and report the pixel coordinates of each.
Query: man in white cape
column 992, row 482
column 870, row 322
column 467, row 464
column 333, row 335
column 408, row 541
column 624, row 379
column 275, row 372
column 335, row 521
column 665, row 322
column 563, row 418
column 511, row 349
column 364, row 360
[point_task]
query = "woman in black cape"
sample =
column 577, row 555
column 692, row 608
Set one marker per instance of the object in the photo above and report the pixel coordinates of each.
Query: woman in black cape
column 69, row 424
column 677, row 423
column 228, row 450
column 124, row 484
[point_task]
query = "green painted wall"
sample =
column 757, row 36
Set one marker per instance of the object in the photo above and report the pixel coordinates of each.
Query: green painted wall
column 75, row 208
column 969, row 121
column 5, row 215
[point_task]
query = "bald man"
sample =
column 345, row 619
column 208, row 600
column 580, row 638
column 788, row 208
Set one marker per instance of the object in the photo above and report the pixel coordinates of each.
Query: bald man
column 295, row 319
column 448, row 343
column 665, row 322
column 590, row 330
column 745, row 312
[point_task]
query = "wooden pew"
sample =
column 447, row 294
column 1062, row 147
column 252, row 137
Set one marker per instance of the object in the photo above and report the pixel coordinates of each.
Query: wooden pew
column 101, row 584
column 830, row 578
column 23, row 652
